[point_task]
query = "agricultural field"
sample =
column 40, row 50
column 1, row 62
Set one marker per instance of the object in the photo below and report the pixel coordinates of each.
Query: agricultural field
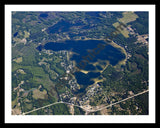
column 127, row 17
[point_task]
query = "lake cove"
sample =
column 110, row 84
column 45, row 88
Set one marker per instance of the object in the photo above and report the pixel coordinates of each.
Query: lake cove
column 80, row 49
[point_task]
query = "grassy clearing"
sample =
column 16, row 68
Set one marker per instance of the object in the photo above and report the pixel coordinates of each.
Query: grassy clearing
column 37, row 94
column 26, row 34
column 21, row 71
column 124, row 32
column 18, row 60
column 36, row 71
column 128, row 17
column 96, row 80
column 84, row 71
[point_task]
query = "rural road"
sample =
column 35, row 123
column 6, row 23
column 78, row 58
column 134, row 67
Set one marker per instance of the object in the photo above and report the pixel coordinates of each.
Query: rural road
column 87, row 110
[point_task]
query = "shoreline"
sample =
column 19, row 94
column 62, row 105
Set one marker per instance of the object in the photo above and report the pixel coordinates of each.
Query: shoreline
column 122, row 62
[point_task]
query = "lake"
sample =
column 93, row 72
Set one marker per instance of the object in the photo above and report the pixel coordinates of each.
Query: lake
column 15, row 34
column 43, row 15
column 80, row 49
column 62, row 26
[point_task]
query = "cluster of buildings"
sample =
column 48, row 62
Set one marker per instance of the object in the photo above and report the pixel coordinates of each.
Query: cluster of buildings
column 140, row 38
column 92, row 91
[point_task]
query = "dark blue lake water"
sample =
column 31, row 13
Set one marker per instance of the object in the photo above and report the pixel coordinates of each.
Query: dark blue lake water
column 43, row 15
column 62, row 26
column 84, row 79
column 82, row 48
column 15, row 34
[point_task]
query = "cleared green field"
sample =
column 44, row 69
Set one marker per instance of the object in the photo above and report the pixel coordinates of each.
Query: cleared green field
column 124, row 32
column 128, row 17
column 37, row 94
column 18, row 60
